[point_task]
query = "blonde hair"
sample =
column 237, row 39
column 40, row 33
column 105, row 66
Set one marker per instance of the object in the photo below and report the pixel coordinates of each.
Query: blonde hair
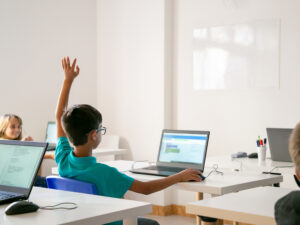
column 4, row 122
column 294, row 146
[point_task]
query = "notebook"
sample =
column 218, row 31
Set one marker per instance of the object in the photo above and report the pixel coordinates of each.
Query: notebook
column 51, row 136
column 19, row 164
column 179, row 150
column 279, row 144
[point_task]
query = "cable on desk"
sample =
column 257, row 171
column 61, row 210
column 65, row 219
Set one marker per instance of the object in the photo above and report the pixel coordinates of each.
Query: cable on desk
column 277, row 167
column 54, row 207
column 215, row 169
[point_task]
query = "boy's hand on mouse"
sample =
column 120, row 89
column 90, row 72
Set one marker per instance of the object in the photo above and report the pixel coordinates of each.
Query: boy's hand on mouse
column 71, row 72
column 189, row 174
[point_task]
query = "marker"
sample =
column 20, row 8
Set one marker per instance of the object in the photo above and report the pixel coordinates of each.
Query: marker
column 265, row 141
column 261, row 142
column 257, row 143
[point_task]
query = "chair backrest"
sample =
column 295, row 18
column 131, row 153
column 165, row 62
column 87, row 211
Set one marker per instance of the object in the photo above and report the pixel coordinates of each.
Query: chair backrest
column 67, row 184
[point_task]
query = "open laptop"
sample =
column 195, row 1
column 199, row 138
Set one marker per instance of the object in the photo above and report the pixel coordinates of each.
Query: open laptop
column 19, row 164
column 51, row 136
column 279, row 144
column 179, row 150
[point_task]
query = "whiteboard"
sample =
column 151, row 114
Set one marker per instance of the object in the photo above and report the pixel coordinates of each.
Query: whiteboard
column 240, row 56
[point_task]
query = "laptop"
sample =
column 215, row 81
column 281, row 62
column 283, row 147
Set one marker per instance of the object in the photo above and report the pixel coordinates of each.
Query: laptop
column 19, row 164
column 51, row 136
column 179, row 150
column 279, row 144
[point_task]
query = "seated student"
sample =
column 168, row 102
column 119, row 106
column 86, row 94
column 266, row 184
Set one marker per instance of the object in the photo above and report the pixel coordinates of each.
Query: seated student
column 82, row 126
column 287, row 209
column 11, row 129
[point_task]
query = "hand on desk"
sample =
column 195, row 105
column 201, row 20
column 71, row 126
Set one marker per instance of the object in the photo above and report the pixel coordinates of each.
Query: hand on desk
column 190, row 175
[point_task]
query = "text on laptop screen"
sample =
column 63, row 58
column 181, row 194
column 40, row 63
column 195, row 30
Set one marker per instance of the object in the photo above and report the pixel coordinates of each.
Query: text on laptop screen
column 18, row 164
column 51, row 133
column 183, row 148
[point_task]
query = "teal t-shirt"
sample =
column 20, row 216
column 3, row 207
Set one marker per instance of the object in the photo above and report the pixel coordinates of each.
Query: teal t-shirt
column 109, row 181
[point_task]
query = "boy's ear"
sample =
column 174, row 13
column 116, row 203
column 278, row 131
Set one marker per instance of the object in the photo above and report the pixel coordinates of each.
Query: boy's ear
column 94, row 135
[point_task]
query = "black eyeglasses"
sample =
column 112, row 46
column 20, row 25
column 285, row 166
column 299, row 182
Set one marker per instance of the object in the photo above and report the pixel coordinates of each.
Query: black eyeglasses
column 102, row 130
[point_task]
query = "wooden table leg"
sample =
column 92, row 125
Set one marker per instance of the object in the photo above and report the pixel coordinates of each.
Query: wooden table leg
column 199, row 196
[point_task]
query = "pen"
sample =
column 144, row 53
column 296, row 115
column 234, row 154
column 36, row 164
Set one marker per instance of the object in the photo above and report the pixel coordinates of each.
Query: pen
column 257, row 143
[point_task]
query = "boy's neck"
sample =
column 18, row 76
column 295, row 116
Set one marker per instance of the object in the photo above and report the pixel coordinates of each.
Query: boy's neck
column 82, row 151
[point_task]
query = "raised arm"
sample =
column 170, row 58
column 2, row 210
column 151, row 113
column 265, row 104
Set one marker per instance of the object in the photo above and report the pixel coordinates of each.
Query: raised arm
column 160, row 184
column 71, row 72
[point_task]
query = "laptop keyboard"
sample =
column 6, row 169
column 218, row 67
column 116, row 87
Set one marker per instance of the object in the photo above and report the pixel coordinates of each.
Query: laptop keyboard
column 6, row 195
column 165, row 168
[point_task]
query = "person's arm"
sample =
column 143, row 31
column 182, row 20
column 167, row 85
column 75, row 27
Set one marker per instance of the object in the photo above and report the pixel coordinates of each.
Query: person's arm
column 160, row 184
column 70, row 74
column 49, row 155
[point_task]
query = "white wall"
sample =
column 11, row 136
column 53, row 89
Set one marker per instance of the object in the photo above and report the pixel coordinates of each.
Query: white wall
column 236, row 117
column 131, row 72
column 35, row 35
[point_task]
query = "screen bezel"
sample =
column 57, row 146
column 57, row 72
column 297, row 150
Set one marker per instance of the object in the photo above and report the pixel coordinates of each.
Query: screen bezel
column 24, row 191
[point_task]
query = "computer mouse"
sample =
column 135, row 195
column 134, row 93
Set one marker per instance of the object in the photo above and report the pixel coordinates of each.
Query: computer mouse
column 252, row 155
column 200, row 175
column 20, row 207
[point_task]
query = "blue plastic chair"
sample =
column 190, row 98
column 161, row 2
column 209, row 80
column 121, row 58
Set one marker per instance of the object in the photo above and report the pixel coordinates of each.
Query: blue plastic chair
column 67, row 184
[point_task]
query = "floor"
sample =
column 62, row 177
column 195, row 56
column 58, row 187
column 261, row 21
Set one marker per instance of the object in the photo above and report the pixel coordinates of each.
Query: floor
column 173, row 220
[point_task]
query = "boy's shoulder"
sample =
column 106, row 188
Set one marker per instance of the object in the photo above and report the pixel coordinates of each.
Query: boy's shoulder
column 287, row 209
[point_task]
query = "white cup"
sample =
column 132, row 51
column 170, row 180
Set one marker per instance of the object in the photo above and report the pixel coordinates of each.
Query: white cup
column 261, row 153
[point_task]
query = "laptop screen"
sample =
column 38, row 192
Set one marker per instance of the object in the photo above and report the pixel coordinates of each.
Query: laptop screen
column 187, row 147
column 19, row 163
column 51, row 133
column 279, row 143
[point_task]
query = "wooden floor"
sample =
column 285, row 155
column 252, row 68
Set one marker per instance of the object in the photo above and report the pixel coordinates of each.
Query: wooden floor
column 179, row 220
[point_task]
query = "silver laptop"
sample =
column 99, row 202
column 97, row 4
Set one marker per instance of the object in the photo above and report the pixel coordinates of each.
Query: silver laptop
column 51, row 136
column 19, row 164
column 279, row 144
column 179, row 150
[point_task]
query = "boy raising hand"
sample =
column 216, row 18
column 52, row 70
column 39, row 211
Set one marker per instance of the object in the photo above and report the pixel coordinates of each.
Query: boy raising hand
column 81, row 125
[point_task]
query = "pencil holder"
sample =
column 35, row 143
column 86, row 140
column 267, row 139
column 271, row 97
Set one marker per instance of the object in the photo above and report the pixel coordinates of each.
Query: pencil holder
column 261, row 153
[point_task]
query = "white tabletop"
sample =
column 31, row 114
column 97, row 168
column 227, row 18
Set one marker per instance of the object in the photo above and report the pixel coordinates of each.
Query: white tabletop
column 92, row 209
column 215, row 184
column 253, row 206
column 109, row 151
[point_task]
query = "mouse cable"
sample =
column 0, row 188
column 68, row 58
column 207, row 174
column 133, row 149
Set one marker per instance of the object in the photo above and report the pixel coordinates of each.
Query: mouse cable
column 54, row 207
column 277, row 167
column 214, row 169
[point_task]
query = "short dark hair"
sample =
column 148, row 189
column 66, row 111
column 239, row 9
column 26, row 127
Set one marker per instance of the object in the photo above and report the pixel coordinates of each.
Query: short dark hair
column 78, row 121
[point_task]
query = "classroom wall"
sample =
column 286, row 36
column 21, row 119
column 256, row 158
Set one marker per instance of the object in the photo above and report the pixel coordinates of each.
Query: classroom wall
column 131, row 73
column 136, row 66
column 35, row 35
column 236, row 117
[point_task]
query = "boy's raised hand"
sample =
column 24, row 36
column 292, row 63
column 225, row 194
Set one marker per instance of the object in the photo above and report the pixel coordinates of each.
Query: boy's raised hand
column 71, row 72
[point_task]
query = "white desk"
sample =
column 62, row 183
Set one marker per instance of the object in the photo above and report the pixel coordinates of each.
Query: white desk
column 109, row 151
column 91, row 209
column 253, row 206
column 246, row 165
column 101, row 155
column 215, row 184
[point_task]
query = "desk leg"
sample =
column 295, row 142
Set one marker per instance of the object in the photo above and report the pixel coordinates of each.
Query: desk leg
column 199, row 196
column 130, row 221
